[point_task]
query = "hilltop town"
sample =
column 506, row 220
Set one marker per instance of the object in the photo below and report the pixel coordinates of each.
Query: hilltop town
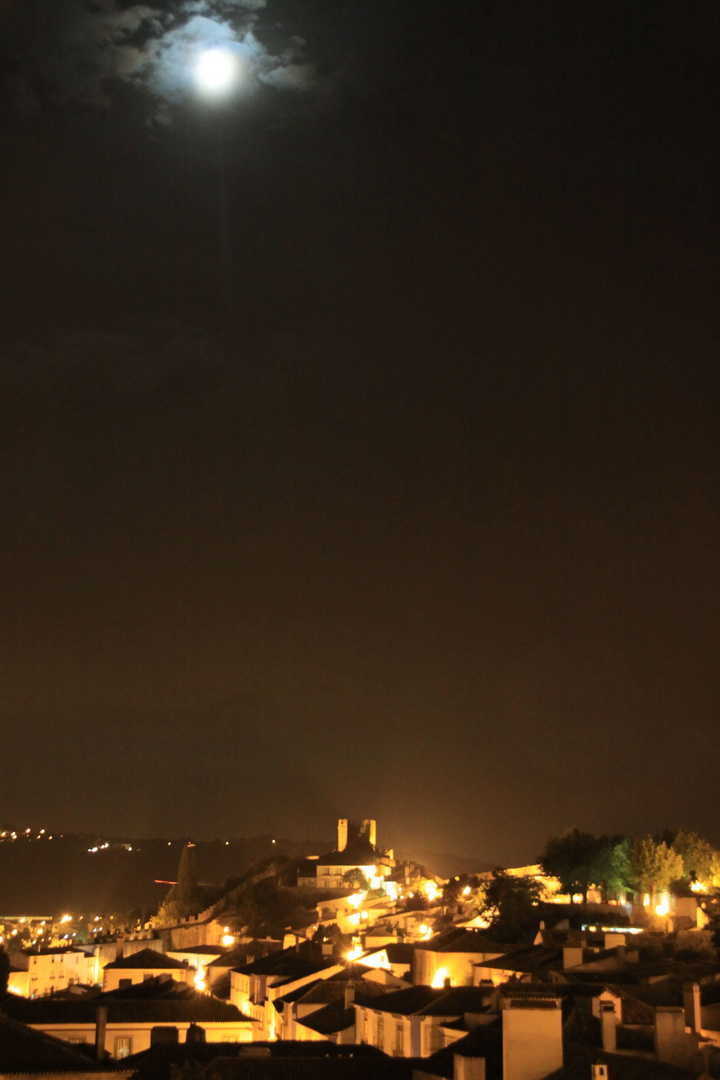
column 598, row 961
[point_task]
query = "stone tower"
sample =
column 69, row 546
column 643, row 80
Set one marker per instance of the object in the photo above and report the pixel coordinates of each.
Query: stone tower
column 351, row 832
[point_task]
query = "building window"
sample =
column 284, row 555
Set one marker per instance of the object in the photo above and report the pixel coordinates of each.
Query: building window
column 123, row 1046
column 123, row 984
column 365, row 1028
column 380, row 1032
column 399, row 1040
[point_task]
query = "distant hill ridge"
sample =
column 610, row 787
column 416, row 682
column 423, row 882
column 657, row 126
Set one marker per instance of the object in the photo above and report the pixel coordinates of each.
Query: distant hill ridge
column 446, row 865
column 65, row 875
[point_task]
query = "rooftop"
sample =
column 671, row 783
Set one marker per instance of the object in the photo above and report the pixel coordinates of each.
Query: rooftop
column 147, row 960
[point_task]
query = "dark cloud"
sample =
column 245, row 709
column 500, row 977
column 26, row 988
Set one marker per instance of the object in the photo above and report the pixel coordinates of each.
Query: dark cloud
column 83, row 51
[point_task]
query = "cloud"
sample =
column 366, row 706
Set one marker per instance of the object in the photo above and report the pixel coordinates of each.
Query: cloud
column 154, row 48
column 291, row 77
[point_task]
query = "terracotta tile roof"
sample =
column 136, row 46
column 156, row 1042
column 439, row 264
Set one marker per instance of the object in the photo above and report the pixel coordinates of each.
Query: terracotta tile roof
column 23, row 1050
column 582, row 1028
column 147, row 959
column 579, row 1059
column 221, row 987
column 406, row 1002
column 358, row 854
column 399, row 952
column 456, row 1001
column 158, row 1062
column 328, row 990
column 202, row 950
column 243, row 954
column 462, row 940
column 483, row 1042
column 524, row 960
column 287, row 962
column 197, row 1007
column 318, row 1068
column 332, row 1018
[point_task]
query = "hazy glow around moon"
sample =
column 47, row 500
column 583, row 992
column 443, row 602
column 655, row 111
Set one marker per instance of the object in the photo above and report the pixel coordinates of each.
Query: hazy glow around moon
column 217, row 70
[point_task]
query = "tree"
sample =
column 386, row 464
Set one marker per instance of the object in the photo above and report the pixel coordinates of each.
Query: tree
column 355, row 879
column 332, row 935
column 610, row 865
column 509, row 906
column 185, row 897
column 701, row 862
column 652, row 866
column 570, row 859
column 463, row 886
column 264, row 910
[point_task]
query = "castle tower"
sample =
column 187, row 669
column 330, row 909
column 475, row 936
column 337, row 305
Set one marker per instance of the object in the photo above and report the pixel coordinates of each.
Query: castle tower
column 350, row 832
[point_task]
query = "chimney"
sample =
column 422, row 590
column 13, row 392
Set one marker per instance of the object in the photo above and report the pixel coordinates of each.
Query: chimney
column 572, row 954
column 100, row 1029
column 599, row 1072
column 349, row 995
column 691, row 1003
column 608, row 1021
column 446, row 982
column 468, row 1068
column 671, row 1043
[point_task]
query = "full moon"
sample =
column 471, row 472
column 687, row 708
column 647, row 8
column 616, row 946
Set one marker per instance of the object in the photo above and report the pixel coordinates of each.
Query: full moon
column 216, row 70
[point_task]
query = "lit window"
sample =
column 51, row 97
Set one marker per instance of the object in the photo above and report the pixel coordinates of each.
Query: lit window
column 123, row 1046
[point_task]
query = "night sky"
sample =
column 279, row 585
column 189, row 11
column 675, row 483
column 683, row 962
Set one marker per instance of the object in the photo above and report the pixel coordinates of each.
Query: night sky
column 360, row 427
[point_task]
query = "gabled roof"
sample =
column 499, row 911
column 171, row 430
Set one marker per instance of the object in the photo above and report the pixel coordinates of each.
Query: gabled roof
column 201, row 950
column 293, row 995
column 327, row 990
column 414, row 999
column 314, row 1068
column 242, row 954
column 524, row 960
column 221, row 987
column 147, row 959
column 582, row 1028
column 332, row 1018
column 157, row 1062
column 159, row 986
column 579, row 1059
column 287, row 962
column 399, row 952
column 462, row 939
column 456, row 1001
column 483, row 1042
column 358, row 853
column 23, row 1050
column 175, row 1009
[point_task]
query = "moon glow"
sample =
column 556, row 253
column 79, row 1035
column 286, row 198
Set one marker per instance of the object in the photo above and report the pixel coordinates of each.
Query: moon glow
column 216, row 70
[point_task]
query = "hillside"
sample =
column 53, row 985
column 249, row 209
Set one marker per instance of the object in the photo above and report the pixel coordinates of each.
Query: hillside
column 65, row 875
